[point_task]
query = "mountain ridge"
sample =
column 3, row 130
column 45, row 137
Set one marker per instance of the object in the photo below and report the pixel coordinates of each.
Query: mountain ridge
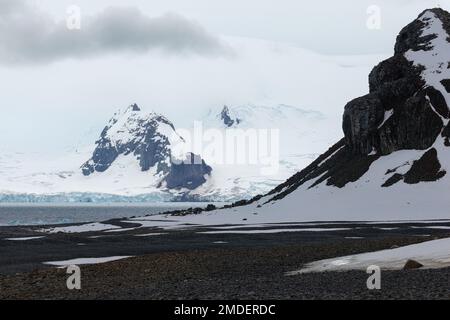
column 394, row 81
column 393, row 160
column 150, row 137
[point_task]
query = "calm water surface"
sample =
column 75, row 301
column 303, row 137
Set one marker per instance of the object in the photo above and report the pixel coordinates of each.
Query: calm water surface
column 37, row 214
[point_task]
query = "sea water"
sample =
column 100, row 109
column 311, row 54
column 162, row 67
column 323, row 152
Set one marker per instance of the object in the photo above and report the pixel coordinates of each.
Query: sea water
column 40, row 214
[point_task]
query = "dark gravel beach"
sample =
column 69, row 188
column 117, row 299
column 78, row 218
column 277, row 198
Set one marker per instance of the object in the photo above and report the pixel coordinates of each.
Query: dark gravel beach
column 189, row 265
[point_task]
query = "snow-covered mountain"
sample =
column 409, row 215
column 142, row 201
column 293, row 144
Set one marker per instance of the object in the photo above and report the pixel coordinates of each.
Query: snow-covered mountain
column 257, row 116
column 394, row 159
column 145, row 135
column 138, row 155
column 111, row 174
column 302, row 134
column 150, row 140
column 302, row 131
column 132, row 158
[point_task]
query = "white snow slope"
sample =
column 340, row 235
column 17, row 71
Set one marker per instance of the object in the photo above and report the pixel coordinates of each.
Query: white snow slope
column 431, row 254
column 48, row 175
column 303, row 134
column 85, row 261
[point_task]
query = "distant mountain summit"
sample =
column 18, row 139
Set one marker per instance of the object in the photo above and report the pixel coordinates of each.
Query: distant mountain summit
column 149, row 138
column 146, row 135
column 226, row 117
column 394, row 159
column 301, row 135
column 261, row 116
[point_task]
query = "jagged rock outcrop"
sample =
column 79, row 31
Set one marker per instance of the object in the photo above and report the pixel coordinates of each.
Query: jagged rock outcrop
column 402, row 110
column 189, row 173
column 225, row 116
column 149, row 138
column 407, row 108
column 131, row 131
column 393, row 160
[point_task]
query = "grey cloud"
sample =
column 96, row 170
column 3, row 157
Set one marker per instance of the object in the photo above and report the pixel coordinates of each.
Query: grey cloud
column 30, row 36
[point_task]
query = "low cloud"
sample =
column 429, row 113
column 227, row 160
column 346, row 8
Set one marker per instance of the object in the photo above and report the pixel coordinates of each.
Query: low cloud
column 30, row 36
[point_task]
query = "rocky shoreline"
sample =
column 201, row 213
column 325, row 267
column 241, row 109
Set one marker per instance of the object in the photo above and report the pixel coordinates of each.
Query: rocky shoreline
column 235, row 271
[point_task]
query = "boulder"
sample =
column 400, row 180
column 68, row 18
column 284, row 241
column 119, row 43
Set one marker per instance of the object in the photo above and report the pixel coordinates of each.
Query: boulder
column 412, row 264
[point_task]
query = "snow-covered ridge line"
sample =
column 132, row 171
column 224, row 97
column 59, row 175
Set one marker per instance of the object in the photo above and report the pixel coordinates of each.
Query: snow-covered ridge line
column 305, row 70
column 390, row 165
column 85, row 261
column 434, row 57
column 117, row 170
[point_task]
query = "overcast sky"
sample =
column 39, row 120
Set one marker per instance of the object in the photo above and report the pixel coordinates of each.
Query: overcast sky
column 178, row 57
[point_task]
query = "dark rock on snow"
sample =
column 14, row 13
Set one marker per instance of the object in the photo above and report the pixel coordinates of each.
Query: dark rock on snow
column 400, row 112
column 145, row 136
column 412, row 264
column 144, row 140
column 226, row 117
column 188, row 174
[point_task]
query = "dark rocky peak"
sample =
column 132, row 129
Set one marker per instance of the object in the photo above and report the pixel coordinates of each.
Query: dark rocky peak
column 412, row 37
column 225, row 115
column 408, row 99
column 407, row 108
column 145, row 135
column 134, row 108
column 149, row 138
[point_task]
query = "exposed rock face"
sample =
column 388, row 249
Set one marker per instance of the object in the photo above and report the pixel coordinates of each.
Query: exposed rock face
column 402, row 110
column 407, row 108
column 427, row 168
column 188, row 174
column 226, row 117
column 412, row 264
column 149, row 139
column 131, row 131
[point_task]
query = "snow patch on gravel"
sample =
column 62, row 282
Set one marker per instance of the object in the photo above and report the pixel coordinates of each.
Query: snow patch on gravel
column 81, row 228
column 84, row 261
column 431, row 254
column 23, row 239
column 274, row 231
column 149, row 234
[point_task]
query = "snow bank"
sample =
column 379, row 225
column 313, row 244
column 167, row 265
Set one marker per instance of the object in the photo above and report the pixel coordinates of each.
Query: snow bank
column 274, row 231
column 23, row 239
column 431, row 254
column 84, row 261
column 89, row 227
